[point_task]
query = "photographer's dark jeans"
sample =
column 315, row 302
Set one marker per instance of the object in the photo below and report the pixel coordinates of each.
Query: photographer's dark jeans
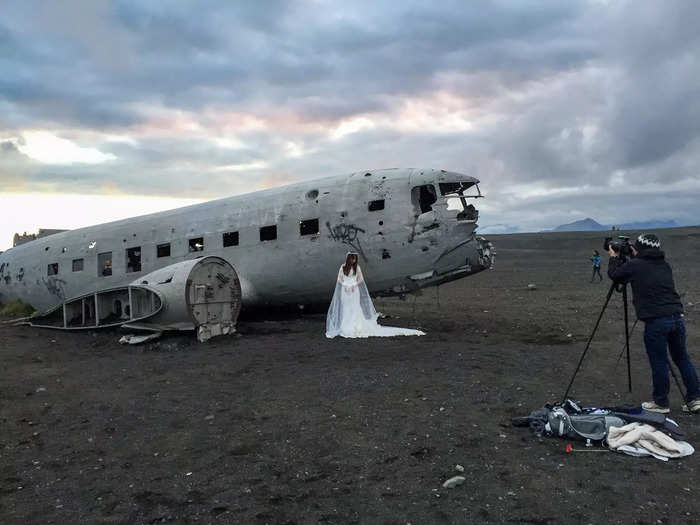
column 662, row 333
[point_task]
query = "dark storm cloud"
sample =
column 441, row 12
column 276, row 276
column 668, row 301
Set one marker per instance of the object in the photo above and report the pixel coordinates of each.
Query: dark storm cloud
column 557, row 95
column 172, row 53
column 652, row 109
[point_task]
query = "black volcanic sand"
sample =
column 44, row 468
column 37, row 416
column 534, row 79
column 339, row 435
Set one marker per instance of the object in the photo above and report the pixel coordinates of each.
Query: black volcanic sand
column 280, row 425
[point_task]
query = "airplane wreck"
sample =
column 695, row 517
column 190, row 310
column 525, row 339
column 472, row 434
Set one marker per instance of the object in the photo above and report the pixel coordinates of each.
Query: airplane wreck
column 194, row 268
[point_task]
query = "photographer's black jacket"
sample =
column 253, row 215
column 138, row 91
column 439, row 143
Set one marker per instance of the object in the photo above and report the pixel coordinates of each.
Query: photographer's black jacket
column 654, row 294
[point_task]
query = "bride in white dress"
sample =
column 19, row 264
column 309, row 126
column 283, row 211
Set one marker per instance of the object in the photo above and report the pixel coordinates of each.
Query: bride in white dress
column 352, row 313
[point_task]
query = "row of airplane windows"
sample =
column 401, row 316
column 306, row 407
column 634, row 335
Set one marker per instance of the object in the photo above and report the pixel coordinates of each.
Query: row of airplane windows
column 267, row 233
column 196, row 244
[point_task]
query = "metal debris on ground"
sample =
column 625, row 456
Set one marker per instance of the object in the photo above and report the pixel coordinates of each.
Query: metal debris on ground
column 132, row 339
column 453, row 482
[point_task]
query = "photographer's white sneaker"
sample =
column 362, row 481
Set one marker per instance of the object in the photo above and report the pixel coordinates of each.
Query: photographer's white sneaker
column 653, row 407
column 693, row 407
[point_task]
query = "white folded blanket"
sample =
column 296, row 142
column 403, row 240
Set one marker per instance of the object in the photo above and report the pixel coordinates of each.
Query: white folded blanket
column 638, row 439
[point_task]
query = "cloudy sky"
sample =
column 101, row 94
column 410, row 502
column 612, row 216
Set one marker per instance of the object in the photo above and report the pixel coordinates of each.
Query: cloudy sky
column 564, row 110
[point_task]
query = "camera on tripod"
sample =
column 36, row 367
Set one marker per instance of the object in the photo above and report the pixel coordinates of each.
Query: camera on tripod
column 621, row 247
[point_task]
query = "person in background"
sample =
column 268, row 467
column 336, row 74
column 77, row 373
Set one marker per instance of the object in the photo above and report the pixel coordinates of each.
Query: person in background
column 596, row 265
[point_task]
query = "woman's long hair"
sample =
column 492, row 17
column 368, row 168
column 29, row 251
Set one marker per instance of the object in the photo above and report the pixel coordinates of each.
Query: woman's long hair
column 350, row 263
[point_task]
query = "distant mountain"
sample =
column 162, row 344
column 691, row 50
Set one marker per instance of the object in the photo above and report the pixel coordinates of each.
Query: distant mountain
column 589, row 224
column 583, row 225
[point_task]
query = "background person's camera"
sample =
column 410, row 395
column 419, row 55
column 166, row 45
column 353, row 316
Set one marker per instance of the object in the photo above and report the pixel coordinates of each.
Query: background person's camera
column 621, row 246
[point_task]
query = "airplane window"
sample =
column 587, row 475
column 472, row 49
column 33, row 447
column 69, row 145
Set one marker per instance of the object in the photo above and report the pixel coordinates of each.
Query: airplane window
column 133, row 259
column 197, row 245
column 163, row 250
column 52, row 269
column 268, row 233
column 78, row 265
column 230, row 239
column 104, row 264
column 454, row 187
column 423, row 198
column 376, row 205
column 309, row 227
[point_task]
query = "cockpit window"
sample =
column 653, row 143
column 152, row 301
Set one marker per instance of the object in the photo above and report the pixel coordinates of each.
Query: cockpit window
column 454, row 187
column 455, row 193
column 423, row 198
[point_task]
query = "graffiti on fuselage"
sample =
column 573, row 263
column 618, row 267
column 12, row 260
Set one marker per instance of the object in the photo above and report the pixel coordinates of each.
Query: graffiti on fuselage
column 56, row 287
column 6, row 277
column 347, row 234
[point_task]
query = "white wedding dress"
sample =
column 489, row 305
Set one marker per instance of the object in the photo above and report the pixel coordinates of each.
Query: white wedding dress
column 352, row 313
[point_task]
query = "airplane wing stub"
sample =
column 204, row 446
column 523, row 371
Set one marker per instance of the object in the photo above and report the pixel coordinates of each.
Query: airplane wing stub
column 200, row 294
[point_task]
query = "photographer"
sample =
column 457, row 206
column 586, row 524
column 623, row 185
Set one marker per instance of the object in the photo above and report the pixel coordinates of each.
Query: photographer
column 658, row 305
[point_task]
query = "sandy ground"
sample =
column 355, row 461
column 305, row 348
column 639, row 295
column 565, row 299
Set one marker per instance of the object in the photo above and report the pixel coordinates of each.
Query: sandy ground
column 279, row 425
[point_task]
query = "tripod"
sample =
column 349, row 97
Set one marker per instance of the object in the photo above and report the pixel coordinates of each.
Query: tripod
column 614, row 287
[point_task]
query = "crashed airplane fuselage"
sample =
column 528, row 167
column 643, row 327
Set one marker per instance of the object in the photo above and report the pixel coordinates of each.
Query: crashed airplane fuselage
column 412, row 228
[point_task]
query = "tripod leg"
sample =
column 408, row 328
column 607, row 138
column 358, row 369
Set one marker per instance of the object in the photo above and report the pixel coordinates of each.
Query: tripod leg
column 622, row 349
column 627, row 338
column 590, row 339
